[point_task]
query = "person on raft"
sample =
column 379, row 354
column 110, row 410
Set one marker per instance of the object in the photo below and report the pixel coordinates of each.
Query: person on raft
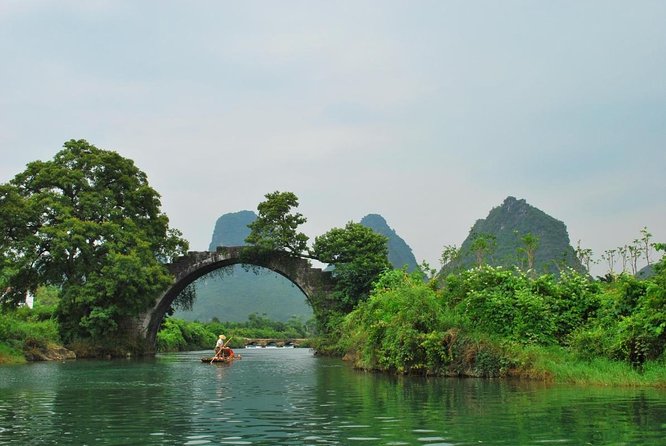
column 219, row 345
column 221, row 349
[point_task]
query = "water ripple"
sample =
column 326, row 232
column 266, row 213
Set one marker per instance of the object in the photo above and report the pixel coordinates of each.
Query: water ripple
column 275, row 396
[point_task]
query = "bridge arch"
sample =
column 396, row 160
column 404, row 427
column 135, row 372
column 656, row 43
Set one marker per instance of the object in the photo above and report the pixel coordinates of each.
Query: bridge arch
column 311, row 281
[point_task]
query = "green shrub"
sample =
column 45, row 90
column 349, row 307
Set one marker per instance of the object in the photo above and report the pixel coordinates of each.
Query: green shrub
column 630, row 325
column 395, row 328
column 170, row 337
column 510, row 304
column 181, row 335
column 573, row 300
column 22, row 330
column 10, row 355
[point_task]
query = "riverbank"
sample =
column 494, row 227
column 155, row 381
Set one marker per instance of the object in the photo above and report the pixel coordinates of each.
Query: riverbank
column 495, row 323
column 561, row 366
column 30, row 335
column 470, row 357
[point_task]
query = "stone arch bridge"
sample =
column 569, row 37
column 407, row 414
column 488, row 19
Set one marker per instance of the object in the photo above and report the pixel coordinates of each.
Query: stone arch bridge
column 313, row 282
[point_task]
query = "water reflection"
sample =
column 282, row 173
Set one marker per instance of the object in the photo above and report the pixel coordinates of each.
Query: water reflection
column 287, row 396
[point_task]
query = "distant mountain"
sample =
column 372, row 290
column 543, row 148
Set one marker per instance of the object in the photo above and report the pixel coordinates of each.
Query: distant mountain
column 507, row 224
column 646, row 272
column 233, row 294
column 231, row 229
column 400, row 254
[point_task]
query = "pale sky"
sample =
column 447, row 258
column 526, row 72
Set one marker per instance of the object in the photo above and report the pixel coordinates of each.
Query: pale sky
column 429, row 113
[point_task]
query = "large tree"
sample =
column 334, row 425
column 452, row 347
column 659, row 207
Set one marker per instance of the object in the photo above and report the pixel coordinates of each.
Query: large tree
column 88, row 222
column 276, row 227
column 359, row 256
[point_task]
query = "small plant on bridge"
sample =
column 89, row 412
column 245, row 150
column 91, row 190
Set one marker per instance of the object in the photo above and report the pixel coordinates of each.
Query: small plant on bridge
column 276, row 227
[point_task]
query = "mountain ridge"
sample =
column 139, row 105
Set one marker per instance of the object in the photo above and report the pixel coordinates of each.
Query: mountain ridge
column 507, row 225
column 399, row 252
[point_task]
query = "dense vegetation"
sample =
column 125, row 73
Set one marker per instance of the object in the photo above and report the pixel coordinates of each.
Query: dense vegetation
column 491, row 321
column 88, row 223
column 85, row 235
column 25, row 329
column 180, row 335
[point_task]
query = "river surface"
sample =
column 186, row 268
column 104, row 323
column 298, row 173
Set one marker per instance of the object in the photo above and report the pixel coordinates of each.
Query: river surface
column 290, row 397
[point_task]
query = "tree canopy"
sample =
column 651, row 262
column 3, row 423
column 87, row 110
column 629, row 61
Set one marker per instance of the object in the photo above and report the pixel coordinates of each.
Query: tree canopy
column 358, row 254
column 88, row 222
column 276, row 226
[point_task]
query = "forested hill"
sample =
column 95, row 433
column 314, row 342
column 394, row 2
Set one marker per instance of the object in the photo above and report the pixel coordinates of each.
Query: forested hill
column 400, row 254
column 231, row 229
column 507, row 225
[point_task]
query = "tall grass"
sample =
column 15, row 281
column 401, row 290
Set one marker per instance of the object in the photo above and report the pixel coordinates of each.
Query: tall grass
column 9, row 355
column 559, row 365
column 18, row 331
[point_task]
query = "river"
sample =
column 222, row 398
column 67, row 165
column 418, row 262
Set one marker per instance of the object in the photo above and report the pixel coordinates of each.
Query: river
column 290, row 397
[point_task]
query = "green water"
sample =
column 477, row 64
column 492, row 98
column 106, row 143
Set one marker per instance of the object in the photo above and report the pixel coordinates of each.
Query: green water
column 290, row 397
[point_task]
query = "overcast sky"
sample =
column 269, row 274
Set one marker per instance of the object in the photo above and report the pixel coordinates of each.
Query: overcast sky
column 429, row 113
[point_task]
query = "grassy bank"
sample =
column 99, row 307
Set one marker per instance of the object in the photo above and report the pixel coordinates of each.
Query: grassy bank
column 561, row 366
column 9, row 355
column 24, row 330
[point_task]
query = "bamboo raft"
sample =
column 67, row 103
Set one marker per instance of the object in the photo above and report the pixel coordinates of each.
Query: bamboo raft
column 227, row 357
column 225, row 360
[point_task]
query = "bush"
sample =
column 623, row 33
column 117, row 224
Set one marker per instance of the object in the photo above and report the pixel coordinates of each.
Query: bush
column 630, row 323
column 397, row 326
column 22, row 330
column 180, row 335
column 509, row 304
column 573, row 300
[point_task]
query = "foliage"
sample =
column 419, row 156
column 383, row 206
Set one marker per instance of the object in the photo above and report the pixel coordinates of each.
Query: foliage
column 483, row 245
column 88, row 223
column 358, row 254
column 510, row 304
column 450, row 255
column 392, row 329
column 491, row 321
column 484, row 318
column 23, row 328
column 584, row 256
column 179, row 335
column 46, row 297
column 530, row 244
column 259, row 326
column 561, row 365
column 631, row 325
column 275, row 228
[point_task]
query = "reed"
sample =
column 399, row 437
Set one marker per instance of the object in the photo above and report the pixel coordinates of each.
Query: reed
column 9, row 355
column 564, row 367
